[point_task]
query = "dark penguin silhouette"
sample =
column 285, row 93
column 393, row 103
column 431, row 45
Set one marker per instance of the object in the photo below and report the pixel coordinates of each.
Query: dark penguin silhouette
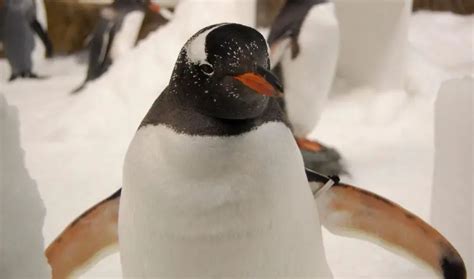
column 19, row 26
column 289, row 21
column 214, row 185
column 304, row 41
column 115, row 33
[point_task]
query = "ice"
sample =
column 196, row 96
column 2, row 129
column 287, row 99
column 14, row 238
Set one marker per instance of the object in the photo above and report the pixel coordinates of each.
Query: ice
column 451, row 202
column 373, row 42
column 22, row 211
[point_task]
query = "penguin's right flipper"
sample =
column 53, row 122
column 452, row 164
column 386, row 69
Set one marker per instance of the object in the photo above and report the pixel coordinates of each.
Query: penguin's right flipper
column 43, row 35
column 285, row 29
column 278, row 48
column 87, row 238
column 350, row 211
column 79, row 88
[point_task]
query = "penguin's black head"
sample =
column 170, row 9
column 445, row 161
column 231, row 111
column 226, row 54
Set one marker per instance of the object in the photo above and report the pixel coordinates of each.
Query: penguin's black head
column 131, row 4
column 223, row 72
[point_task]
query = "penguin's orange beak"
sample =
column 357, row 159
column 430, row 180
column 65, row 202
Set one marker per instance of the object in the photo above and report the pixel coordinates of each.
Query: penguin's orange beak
column 154, row 7
column 262, row 82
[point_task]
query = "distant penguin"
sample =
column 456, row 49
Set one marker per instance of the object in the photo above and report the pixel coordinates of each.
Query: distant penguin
column 115, row 34
column 19, row 26
column 2, row 16
column 304, row 41
column 214, row 185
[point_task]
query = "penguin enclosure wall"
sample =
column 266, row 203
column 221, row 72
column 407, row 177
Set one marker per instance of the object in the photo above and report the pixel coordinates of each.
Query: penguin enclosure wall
column 71, row 22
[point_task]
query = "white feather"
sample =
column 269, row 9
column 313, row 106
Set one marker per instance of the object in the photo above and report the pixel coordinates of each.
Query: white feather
column 126, row 37
column 196, row 48
column 202, row 206
column 308, row 78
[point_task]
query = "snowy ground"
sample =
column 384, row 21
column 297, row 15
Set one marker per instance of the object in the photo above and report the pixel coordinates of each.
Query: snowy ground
column 75, row 144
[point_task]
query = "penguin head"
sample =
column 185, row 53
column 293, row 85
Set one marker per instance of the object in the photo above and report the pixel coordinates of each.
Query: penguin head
column 130, row 3
column 223, row 72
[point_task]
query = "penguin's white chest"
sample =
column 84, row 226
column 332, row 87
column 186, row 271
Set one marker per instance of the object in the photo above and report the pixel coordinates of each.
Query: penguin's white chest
column 308, row 77
column 127, row 35
column 201, row 206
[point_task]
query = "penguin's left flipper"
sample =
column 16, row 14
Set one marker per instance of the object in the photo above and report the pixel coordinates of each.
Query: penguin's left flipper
column 350, row 211
column 79, row 88
column 86, row 239
column 278, row 48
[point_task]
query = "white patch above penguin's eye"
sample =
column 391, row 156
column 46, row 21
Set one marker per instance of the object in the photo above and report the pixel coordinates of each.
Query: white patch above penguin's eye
column 206, row 68
column 196, row 47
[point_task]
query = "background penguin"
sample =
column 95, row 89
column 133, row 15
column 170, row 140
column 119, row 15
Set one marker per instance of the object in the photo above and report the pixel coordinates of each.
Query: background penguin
column 19, row 23
column 304, row 41
column 2, row 16
column 115, row 34
column 207, row 183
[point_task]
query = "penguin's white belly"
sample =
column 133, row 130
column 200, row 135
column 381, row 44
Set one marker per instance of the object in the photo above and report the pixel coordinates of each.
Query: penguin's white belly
column 201, row 206
column 309, row 76
column 127, row 35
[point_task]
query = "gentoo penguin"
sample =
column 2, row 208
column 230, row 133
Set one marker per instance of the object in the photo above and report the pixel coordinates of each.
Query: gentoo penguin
column 214, row 185
column 115, row 33
column 304, row 41
column 19, row 23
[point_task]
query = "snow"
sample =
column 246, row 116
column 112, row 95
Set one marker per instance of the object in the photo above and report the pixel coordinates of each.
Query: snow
column 75, row 144
column 373, row 41
column 451, row 203
column 22, row 211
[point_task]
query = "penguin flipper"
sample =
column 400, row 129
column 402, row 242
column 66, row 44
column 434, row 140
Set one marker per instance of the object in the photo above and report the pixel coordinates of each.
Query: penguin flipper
column 43, row 35
column 99, row 51
column 350, row 211
column 85, row 239
column 295, row 48
column 278, row 48
column 79, row 88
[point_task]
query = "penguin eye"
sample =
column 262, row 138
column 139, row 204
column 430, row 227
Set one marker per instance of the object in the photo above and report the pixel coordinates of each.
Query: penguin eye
column 207, row 69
